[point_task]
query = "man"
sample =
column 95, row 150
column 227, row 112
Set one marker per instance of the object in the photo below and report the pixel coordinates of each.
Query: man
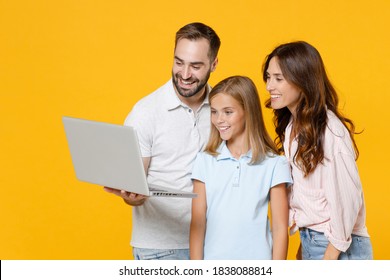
column 173, row 125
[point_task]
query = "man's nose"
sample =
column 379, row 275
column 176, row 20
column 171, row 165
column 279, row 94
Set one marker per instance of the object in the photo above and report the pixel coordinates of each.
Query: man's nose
column 186, row 73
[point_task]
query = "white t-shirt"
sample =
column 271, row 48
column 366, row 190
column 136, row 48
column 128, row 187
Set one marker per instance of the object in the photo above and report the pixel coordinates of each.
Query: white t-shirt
column 171, row 135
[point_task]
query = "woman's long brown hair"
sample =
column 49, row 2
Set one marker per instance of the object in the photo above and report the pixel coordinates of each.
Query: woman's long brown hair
column 302, row 65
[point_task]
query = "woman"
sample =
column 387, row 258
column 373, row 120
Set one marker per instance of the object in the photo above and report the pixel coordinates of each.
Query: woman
column 326, row 199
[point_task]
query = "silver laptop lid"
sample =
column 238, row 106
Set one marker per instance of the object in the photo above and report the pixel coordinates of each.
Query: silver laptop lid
column 106, row 154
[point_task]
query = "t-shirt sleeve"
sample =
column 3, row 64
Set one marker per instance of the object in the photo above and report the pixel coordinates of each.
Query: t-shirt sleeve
column 281, row 172
column 199, row 170
column 141, row 121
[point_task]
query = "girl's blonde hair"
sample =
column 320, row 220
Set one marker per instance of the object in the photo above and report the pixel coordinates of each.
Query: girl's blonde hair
column 258, row 140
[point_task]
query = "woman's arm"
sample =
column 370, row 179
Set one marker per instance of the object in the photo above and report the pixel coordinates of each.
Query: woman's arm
column 331, row 253
column 343, row 192
column 198, row 221
column 279, row 212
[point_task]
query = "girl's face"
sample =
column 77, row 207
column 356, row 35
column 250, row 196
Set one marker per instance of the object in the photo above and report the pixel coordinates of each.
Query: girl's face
column 283, row 93
column 228, row 116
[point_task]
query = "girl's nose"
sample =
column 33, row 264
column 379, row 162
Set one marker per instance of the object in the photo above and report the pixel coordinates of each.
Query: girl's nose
column 220, row 118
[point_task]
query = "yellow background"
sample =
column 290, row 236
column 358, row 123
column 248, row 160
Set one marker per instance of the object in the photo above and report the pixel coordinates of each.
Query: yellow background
column 95, row 58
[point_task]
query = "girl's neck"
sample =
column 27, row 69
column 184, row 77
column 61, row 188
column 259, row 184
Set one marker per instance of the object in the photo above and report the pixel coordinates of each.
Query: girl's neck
column 237, row 148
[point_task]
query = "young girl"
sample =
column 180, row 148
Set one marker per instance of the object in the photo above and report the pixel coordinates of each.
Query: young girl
column 326, row 200
column 235, row 178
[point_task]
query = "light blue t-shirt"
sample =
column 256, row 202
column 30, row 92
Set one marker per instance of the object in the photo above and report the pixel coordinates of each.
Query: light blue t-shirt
column 237, row 197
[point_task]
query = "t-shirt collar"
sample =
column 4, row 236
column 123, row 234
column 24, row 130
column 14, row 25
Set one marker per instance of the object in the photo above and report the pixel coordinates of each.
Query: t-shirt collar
column 173, row 101
column 224, row 153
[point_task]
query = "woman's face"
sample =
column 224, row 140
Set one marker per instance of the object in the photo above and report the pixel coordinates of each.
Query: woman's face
column 283, row 93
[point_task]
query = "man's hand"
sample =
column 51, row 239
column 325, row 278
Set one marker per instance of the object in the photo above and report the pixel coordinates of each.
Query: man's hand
column 129, row 198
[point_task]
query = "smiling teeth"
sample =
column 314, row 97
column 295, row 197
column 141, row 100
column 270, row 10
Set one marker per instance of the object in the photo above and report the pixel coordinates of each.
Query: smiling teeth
column 275, row 95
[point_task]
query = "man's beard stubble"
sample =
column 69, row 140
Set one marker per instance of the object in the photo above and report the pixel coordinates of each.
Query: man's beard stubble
column 189, row 93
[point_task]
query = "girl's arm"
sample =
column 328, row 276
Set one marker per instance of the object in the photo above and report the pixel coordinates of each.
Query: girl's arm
column 198, row 221
column 279, row 212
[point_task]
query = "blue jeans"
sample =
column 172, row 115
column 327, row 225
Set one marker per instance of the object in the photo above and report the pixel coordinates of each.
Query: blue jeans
column 161, row 254
column 314, row 244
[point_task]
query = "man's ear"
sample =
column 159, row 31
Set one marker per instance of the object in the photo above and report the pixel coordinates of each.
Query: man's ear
column 214, row 64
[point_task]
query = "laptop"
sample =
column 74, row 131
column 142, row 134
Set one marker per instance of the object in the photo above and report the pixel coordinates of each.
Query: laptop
column 109, row 155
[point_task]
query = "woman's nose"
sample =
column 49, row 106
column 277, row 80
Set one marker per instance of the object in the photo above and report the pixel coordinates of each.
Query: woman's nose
column 268, row 85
